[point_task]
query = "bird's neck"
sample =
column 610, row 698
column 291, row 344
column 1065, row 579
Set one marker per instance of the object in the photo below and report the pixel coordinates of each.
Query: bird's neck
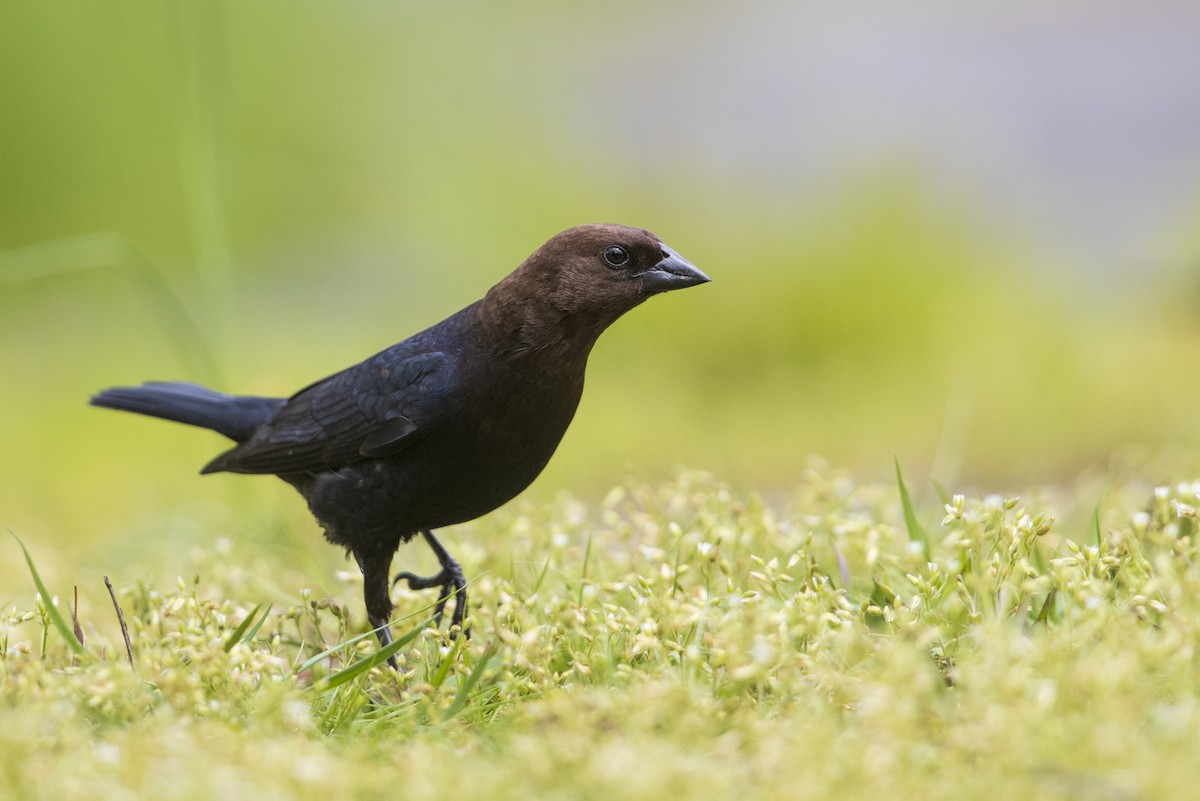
column 530, row 324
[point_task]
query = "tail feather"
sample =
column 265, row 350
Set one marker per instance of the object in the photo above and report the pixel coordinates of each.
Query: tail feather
column 235, row 416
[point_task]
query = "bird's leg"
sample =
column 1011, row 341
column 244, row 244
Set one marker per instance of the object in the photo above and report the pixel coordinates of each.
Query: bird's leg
column 377, row 599
column 451, row 582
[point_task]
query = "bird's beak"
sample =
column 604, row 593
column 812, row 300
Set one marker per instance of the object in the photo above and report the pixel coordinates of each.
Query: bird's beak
column 673, row 272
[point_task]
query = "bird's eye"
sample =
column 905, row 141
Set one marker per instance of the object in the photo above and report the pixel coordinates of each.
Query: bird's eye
column 616, row 256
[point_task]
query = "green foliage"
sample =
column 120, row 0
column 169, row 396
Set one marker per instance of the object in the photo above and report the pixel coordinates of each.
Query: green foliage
column 48, row 603
column 916, row 532
column 243, row 632
column 680, row 640
column 375, row 659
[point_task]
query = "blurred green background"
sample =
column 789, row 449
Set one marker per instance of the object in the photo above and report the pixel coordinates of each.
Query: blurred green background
column 962, row 236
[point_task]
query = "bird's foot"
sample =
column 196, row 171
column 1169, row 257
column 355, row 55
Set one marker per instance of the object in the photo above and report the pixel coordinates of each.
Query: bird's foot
column 451, row 582
column 385, row 639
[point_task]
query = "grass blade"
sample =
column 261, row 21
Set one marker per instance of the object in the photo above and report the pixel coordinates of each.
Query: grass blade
column 366, row 663
column 236, row 637
column 76, row 629
column 56, row 617
column 915, row 531
column 464, row 691
column 447, row 662
column 537, row 585
column 943, row 496
column 587, row 556
column 333, row 649
column 121, row 619
column 254, row 630
column 1044, row 615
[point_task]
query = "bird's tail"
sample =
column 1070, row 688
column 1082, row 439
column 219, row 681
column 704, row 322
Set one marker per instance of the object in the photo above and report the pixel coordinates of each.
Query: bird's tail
column 235, row 416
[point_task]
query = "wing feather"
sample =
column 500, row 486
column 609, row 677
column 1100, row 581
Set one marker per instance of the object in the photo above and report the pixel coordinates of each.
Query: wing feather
column 376, row 408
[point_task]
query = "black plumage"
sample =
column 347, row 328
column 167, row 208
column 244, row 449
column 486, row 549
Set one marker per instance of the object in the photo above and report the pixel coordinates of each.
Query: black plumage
column 448, row 424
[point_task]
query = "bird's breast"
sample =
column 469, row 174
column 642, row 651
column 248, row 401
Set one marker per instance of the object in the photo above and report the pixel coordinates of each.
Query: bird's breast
column 492, row 448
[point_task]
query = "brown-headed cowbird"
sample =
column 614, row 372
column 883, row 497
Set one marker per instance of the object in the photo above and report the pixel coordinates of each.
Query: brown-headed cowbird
column 445, row 426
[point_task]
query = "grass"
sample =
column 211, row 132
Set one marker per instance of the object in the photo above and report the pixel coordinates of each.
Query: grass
column 678, row 641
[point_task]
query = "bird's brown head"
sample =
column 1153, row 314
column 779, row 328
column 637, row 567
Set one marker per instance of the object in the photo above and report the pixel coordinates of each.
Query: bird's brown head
column 586, row 277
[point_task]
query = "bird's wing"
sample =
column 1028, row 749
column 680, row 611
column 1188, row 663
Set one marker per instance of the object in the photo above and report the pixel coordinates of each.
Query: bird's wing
column 376, row 408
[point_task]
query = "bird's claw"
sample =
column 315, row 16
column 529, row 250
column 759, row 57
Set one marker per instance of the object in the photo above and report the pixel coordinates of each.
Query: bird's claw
column 451, row 582
column 452, row 585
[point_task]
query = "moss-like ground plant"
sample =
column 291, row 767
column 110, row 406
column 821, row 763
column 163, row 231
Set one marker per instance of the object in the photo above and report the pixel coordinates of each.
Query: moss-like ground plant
column 679, row 641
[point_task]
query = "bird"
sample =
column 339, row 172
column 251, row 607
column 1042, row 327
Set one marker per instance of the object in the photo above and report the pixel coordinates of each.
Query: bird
column 445, row 426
